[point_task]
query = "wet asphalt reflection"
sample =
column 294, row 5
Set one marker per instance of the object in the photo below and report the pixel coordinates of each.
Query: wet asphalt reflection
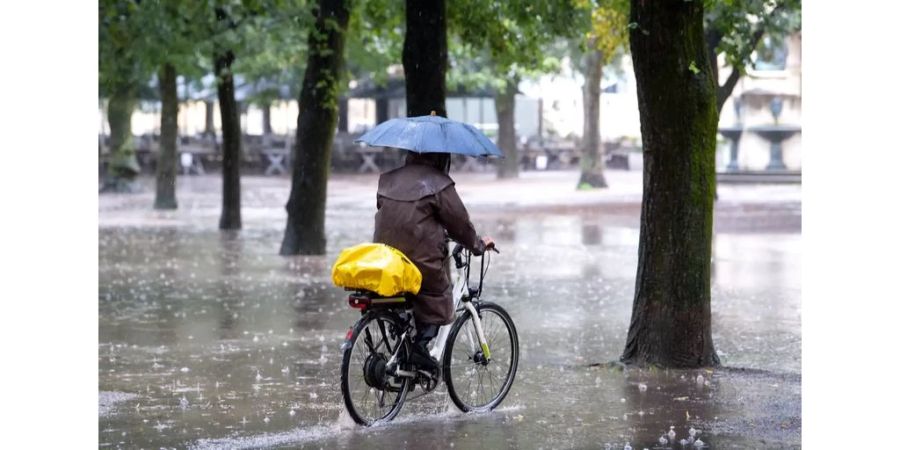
column 210, row 340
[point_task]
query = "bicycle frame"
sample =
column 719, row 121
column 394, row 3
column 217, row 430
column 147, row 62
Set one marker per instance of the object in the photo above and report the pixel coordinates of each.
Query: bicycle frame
column 461, row 294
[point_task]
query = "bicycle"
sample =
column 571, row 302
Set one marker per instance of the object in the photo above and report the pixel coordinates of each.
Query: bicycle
column 480, row 348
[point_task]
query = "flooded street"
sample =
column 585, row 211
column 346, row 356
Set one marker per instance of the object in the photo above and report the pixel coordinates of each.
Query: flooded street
column 210, row 339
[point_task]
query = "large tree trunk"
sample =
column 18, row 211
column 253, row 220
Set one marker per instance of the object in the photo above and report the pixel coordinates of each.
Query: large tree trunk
column 305, row 231
column 231, row 144
column 123, row 166
column 166, row 166
column 505, row 103
column 425, row 57
column 592, row 148
column 670, row 321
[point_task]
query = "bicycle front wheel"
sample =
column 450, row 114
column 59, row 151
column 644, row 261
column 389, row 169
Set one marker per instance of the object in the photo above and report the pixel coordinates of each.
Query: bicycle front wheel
column 474, row 382
column 370, row 393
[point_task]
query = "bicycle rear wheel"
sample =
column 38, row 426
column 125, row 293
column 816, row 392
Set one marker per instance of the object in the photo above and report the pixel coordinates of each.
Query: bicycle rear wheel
column 370, row 394
column 474, row 382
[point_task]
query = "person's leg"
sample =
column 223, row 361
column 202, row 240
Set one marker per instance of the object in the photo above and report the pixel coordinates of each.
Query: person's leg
column 420, row 355
column 426, row 333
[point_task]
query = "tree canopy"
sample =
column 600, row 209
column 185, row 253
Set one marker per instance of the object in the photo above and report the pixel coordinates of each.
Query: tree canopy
column 734, row 29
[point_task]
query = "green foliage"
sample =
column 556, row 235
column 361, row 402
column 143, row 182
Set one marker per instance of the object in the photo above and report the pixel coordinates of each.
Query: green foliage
column 607, row 26
column 375, row 38
column 693, row 68
column 267, row 37
column 137, row 37
column 505, row 41
column 734, row 27
column 120, row 62
column 270, row 45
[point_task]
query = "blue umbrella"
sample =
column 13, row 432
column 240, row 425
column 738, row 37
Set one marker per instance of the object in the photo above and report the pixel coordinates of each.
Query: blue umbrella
column 430, row 134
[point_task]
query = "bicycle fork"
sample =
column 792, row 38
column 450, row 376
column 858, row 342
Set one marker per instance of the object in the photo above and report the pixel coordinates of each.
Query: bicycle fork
column 476, row 320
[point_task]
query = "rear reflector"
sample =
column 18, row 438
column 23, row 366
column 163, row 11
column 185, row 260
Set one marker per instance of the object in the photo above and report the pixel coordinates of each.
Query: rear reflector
column 360, row 302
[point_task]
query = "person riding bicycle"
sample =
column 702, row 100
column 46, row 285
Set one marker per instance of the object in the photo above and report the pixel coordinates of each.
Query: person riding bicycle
column 418, row 207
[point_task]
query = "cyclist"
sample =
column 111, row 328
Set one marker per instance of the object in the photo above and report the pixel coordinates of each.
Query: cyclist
column 418, row 207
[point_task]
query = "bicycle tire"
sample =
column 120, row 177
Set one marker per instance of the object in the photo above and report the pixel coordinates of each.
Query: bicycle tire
column 354, row 365
column 464, row 322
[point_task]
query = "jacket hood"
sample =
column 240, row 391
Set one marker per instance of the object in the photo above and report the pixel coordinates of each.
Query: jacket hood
column 412, row 182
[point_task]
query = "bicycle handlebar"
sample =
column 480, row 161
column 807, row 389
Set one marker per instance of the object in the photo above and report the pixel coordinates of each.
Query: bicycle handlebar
column 457, row 251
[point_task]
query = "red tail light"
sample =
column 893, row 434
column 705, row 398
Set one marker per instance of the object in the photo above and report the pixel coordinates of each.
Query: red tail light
column 349, row 334
column 358, row 302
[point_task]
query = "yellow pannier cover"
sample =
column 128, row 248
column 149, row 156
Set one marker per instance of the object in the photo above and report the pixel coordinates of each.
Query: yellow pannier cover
column 376, row 267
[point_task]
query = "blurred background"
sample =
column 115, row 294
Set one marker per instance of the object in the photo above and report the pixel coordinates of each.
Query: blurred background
column 758, row 58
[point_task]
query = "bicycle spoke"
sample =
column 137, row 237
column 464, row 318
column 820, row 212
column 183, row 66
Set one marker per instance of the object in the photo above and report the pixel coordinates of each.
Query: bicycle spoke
column 480, row 384
column 385, row 336
column 368, row 341
column 374, row 340
column 381, row 399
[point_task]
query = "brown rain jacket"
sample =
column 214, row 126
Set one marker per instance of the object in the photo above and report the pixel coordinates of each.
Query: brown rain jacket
column 416, row 203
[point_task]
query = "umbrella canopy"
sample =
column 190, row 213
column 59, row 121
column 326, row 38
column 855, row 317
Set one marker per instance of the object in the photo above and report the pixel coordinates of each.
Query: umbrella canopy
column 430, row 134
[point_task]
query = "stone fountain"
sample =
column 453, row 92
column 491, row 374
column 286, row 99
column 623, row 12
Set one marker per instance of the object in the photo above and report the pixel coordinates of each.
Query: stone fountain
column 733, row 134
column 775, row 134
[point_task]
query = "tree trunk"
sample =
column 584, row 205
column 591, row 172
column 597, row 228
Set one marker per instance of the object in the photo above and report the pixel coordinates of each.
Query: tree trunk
column 505, row 103
column 210, row 128
column 425, row 57
column 305, row 231
column 231, row 144
column 267, row 119
column 670, row 321
column 591, row 148
column 381, row 110
column 166, row 166
column 343, row 114
column 123, row 166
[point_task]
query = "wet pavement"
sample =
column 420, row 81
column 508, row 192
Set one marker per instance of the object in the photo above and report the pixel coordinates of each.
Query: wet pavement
column 211, row 340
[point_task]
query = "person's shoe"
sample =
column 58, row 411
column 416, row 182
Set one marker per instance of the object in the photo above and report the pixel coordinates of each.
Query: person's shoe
column 422, row 359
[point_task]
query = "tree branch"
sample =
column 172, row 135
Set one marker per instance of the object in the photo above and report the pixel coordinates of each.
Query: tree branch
column 724, row 91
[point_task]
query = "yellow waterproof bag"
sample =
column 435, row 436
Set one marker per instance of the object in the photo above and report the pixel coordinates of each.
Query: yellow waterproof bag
column 376, row 267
